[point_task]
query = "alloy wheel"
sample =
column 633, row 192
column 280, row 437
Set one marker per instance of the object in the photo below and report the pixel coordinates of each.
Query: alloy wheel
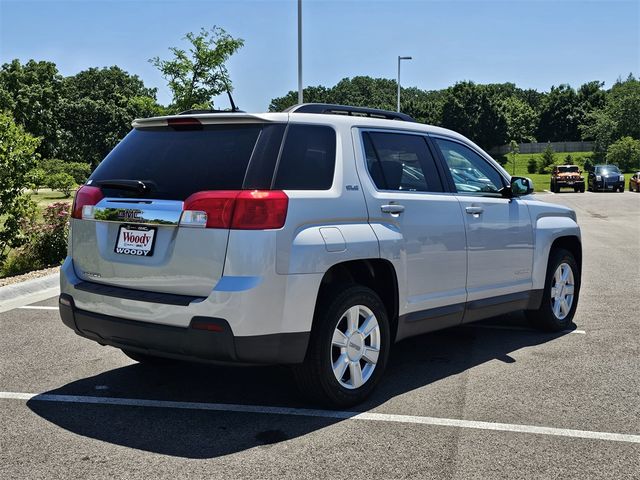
column 355, row 346
column 562, row 291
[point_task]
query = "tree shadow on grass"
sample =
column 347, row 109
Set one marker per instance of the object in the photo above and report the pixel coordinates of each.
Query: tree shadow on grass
column 415, row 363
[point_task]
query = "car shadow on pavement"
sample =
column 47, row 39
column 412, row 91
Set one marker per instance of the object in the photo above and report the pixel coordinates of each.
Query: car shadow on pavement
column 414, row 363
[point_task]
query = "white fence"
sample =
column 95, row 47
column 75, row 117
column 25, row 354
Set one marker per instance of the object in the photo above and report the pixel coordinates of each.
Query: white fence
column 560, row 147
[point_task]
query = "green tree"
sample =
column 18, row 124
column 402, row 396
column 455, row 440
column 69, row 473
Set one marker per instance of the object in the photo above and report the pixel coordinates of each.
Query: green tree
column 521, row 120
column 62, row 182
column 625, row 153
column 17, row 157
column 36, row 178
column 32, row 93
column 476, row 112
column 97, row 109
column 547, row 159
column 79, row 171
column 600, row 127
column 532, row 165
column 623, row 106
column 559, row 115
column 196, row 76
column 514, row 149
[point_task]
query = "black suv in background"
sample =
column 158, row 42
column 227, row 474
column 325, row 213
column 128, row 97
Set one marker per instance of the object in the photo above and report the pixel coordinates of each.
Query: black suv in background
column 605, row 177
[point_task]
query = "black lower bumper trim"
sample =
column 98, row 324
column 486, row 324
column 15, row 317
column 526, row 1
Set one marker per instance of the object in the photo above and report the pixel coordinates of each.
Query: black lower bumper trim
column 192, row 344
column 138, row 295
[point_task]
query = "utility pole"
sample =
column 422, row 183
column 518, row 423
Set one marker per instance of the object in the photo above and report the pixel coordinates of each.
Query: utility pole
column 300, row 51
column 399, row 59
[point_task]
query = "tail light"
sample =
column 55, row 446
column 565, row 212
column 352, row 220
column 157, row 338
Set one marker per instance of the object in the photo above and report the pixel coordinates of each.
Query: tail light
column 241, row 210
column 86, row 196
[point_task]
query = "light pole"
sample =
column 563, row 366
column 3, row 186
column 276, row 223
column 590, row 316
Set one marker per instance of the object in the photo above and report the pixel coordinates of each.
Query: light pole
column 299, row 51
column 400, row 58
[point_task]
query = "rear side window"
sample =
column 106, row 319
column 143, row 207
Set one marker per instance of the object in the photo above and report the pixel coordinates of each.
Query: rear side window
column 308, row 158
column 177, row 163
column 401, row 162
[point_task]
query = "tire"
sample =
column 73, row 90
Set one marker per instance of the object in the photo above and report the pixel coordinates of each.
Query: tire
column 576, row 189
column 148, row 359
column 315, row 377
column 582, row 189
column 545, row 317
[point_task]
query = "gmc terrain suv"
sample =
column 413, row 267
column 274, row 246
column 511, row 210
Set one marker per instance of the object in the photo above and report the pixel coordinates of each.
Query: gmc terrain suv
column 315, row 237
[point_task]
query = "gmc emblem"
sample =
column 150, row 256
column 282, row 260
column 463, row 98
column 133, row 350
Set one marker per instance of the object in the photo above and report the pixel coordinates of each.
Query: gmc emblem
column 130, row 214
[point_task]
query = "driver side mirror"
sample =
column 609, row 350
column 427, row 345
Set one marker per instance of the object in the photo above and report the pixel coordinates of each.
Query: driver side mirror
column 521, row 186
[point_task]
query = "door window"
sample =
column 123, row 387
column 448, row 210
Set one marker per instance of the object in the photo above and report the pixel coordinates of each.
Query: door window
column 471, row 173
column 401, row 162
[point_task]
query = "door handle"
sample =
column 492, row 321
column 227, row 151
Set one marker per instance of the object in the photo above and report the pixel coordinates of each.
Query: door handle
column 474, row 210
column 392, row 208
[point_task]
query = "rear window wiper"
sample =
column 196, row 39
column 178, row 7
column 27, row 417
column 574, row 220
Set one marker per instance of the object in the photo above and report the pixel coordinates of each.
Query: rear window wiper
column 123, row 184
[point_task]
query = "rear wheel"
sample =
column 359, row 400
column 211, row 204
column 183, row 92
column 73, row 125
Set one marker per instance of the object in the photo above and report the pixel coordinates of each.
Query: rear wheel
column 348, row 349
column 561, row 290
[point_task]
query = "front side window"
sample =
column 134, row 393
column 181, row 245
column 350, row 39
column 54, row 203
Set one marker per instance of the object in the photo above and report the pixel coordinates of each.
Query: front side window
column 400, row 162
column 471, row 173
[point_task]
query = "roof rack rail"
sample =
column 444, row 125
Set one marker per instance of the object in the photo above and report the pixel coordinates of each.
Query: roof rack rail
column 197, row 111
column 347, row 110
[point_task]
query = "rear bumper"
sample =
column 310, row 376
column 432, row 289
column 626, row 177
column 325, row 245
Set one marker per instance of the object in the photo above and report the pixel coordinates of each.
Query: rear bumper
column 192, row 344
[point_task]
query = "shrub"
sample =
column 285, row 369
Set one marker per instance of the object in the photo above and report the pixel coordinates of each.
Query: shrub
column 62, row 182
column 532, row 165
column 79, row 171
column 625, row 153
column 17, row 157
column 47, row 242
column 588, row 165
column 547, row 160
column 568, row 160
column 36, row 178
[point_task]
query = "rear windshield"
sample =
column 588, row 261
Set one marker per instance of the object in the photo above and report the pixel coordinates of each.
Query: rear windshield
column 177, row 163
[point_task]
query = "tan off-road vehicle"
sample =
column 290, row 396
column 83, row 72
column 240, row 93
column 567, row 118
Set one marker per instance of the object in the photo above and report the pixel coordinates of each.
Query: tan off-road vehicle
column 569, row 176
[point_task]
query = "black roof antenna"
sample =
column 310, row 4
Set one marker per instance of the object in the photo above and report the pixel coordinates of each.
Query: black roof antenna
column 233, row 105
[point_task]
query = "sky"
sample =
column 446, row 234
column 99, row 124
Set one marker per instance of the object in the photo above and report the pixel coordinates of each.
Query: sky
column 532, row 43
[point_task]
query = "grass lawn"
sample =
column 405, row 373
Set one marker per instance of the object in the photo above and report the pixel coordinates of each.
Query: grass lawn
column 541, row 181
column 46, row 196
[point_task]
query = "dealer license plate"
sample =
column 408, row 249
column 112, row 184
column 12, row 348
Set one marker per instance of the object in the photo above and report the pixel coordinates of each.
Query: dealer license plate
column 137, row 240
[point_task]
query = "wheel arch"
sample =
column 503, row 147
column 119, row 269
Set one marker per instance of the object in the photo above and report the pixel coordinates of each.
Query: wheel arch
column 375, row 273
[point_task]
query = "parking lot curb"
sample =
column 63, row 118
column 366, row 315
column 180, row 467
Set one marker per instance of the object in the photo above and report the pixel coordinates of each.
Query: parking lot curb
column 29, row 291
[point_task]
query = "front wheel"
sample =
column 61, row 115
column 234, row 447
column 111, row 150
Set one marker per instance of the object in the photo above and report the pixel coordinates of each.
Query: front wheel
column 560, row 296
column 348, row 349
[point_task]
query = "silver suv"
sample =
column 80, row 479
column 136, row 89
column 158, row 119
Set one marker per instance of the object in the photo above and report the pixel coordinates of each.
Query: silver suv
column 314, row 237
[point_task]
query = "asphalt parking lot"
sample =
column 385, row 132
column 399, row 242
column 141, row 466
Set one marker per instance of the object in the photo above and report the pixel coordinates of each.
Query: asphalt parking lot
column 497, row 400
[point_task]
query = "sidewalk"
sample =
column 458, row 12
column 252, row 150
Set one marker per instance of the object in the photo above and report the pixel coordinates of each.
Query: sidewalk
column 30, row 291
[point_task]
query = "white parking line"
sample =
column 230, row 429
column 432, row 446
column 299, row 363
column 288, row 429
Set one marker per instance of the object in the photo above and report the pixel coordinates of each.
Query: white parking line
column 339, row 415
column 37, row 307
column 522, row 329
